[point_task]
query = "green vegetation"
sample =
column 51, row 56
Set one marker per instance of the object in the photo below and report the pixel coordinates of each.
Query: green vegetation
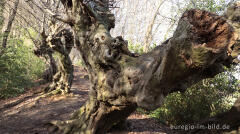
column 79, row 63
column 216, row 6
column 205, row 99
column 19, row 67
column 138, row 48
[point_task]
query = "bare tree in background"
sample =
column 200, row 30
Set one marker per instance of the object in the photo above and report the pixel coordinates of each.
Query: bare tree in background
column 148, row 36
column 9, row 23
column 1, row 13
column 53, row 37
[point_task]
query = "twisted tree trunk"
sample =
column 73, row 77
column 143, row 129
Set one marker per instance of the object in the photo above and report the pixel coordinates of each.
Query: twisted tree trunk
column 120, row 81
column 42, row 49
column 52, row 68
column 62, row 43
column 230, row 119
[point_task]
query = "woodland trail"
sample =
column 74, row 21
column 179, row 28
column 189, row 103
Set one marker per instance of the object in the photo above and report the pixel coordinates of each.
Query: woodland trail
column 26, row 114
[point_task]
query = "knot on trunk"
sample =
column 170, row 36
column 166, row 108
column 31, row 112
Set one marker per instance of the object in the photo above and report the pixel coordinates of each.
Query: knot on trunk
column 109, row 50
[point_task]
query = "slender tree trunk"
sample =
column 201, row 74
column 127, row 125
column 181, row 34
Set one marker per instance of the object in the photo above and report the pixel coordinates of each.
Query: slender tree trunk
column 9, row 23
column 120, row 81
column 148, row 36
column 1, row 13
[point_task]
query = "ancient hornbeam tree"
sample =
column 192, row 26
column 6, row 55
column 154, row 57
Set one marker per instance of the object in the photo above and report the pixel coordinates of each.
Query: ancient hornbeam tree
column 43, row 50
column 201, row 46
column 231, row 117
column 61, row 42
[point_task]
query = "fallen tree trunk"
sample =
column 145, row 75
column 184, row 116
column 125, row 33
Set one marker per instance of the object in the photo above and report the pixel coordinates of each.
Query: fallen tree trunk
column 121, row 81
column 228, row 121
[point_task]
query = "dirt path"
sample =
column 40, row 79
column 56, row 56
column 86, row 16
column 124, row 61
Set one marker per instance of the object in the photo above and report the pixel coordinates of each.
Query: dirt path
column 28, row 115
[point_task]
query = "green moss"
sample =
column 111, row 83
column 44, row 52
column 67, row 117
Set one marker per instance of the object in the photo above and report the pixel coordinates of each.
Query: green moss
column 200, row 56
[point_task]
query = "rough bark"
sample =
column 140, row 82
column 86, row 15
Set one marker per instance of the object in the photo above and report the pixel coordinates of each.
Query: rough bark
column 60, row 42
column 51, row 69
column 231, row 117
column 43, row 50
column 120, row 81
column 9, row 23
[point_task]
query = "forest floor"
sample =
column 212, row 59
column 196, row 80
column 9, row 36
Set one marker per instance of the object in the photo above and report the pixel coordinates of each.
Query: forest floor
column 27, row 114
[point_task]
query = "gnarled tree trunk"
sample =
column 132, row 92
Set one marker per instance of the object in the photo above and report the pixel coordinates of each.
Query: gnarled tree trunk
column 60, row 42
column 120, row 81
column 230, row 119
column 44, row 50
column 51, row 69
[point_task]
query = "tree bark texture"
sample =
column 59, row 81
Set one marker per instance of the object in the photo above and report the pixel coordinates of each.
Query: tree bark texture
column 60, row 42
column 44, row 50
column 201, row 46
column 231, row 117
column 51, row 69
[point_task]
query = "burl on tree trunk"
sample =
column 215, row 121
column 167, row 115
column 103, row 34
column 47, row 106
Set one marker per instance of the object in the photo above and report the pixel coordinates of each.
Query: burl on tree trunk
column 201, row 46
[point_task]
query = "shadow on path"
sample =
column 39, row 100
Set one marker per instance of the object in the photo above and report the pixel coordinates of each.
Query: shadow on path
column 26, row 114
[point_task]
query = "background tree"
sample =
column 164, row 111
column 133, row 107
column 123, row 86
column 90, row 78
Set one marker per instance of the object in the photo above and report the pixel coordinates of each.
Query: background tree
column 34, row 21
column 1, row 14
column 9, row 23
